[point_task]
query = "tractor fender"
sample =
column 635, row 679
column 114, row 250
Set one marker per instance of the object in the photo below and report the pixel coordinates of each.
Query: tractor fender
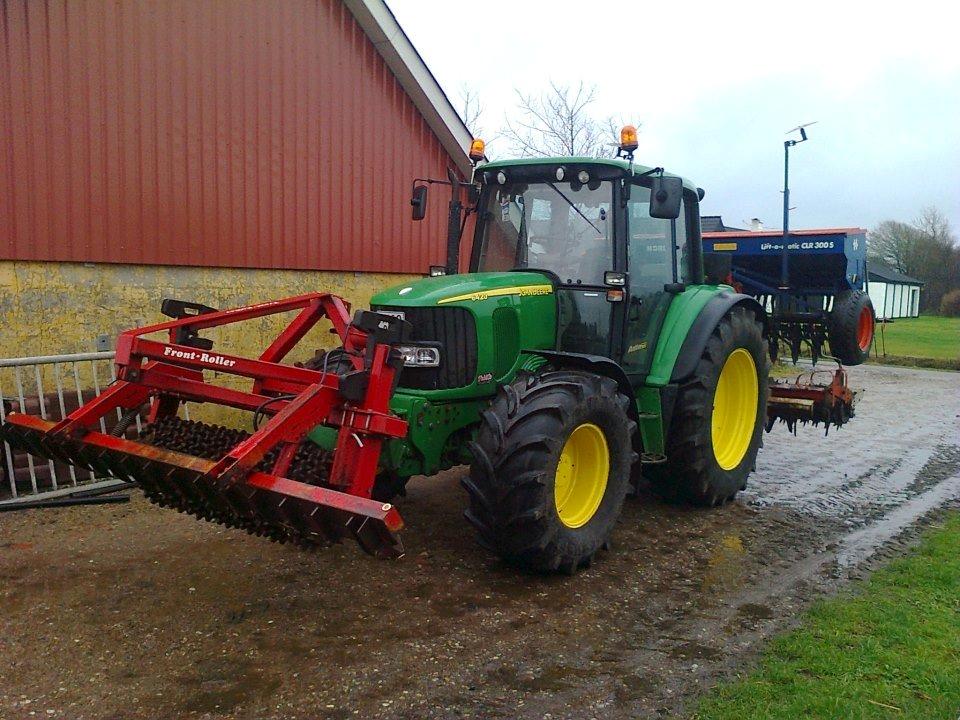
column 711, row 314
column 596, row 364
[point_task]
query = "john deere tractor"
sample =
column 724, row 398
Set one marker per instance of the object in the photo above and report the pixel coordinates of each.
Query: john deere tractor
column 582, row 350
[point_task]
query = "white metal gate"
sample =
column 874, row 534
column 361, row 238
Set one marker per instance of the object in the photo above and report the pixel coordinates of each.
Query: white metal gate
column 51, row 386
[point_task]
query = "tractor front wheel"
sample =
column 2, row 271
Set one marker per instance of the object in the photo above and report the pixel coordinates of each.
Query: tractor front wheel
column 718, row 417
column 551, row 469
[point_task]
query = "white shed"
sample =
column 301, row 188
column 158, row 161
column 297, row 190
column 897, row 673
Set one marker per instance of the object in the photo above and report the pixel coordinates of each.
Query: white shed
column 894, row 295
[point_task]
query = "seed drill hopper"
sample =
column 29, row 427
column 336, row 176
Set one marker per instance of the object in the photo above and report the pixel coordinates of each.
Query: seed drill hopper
column 269, row 482
column 815, row 294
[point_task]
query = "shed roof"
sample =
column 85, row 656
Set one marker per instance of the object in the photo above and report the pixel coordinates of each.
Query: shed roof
column 878, row 272
column 714, row 223
column 380, row 25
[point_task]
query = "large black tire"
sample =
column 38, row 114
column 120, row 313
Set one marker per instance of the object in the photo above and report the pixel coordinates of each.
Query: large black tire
column 693, row 472
column 512, row 484
column 850, row 327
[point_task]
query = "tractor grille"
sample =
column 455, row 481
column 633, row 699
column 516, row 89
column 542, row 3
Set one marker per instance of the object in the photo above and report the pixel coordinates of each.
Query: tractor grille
column 456, row 331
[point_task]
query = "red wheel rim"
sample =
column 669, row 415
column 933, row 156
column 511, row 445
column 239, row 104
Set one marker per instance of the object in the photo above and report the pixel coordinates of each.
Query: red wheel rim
column 865, row 329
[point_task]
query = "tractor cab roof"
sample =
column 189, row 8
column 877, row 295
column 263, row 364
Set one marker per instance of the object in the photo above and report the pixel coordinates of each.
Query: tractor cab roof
column 613, row 167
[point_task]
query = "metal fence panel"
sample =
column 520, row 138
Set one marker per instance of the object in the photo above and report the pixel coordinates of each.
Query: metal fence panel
column 26, row 386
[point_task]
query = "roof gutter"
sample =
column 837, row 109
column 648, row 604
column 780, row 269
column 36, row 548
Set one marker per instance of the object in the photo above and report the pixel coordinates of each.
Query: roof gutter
column 415, row 77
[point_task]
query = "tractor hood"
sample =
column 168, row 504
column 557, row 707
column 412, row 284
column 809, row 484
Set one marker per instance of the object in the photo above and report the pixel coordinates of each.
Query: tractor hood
column 448, row 289
column 482, row 323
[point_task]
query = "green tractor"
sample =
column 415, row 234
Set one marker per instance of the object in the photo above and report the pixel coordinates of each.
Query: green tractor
column 584, row 349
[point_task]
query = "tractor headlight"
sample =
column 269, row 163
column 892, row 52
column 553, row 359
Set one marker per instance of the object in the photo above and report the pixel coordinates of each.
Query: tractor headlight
column 419, row 355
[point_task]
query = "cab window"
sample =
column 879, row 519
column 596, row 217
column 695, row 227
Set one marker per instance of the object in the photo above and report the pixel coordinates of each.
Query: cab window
column 655, row 248
column 566, row 228
column 650, row 258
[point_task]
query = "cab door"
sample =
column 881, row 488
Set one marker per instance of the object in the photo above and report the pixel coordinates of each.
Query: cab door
column 654, row 246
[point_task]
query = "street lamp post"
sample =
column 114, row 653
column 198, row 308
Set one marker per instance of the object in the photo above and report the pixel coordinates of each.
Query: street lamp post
column 787, row 144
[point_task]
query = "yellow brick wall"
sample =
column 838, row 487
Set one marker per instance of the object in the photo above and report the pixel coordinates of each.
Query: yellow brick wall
column 52, row 308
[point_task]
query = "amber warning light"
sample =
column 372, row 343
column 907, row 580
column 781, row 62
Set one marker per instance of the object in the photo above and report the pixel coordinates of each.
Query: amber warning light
column 628, row 138
column 476, row 150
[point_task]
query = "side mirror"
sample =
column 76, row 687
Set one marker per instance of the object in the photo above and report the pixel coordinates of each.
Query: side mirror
column 419, row 202
column 666, row 194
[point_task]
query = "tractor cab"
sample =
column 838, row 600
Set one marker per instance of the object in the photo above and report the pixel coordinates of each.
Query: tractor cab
column 614, row 251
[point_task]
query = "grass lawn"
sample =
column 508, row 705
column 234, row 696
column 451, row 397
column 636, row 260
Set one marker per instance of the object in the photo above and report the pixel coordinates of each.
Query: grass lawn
column 927, row 336
column 890, row 648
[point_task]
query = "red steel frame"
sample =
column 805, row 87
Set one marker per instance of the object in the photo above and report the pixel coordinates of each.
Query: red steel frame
column 297, row 398
column 827, row 395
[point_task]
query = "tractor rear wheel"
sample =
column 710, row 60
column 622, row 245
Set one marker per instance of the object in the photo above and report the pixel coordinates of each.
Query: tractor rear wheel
column 551, row 469
column 718, row 417
column 850, row 327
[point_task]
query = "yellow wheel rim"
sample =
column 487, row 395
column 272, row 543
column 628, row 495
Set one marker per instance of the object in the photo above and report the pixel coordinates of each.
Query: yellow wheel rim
column 734, row 409
column 582, row 473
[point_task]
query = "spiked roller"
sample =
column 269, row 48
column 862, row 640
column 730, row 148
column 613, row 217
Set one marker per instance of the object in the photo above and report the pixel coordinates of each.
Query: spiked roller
column 818, row 396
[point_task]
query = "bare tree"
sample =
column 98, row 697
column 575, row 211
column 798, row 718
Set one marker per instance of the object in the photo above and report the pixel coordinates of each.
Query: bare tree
column 925, row 249
column 934, row 225
column 895, row 243
column 559, row 122
column 471, row 111
column 939, row 257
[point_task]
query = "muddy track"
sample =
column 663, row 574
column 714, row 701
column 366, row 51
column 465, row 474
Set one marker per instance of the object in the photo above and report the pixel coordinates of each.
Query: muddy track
column 135, row 612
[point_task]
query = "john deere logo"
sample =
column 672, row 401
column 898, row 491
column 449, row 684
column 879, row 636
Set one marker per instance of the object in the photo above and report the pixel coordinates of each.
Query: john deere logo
column 497, row 292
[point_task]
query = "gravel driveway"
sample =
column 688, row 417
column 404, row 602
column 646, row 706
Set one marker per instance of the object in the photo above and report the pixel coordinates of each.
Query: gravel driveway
column 135, row 612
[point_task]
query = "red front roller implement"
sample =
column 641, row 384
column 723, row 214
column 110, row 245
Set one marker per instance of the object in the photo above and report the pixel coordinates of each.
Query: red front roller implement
column 817, row 396
column 227, row 476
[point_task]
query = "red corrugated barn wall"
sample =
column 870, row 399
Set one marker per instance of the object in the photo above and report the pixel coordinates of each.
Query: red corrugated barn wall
column 217, row 133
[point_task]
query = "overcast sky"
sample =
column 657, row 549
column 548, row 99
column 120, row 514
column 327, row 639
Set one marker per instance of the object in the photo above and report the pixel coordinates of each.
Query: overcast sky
column 714, row 87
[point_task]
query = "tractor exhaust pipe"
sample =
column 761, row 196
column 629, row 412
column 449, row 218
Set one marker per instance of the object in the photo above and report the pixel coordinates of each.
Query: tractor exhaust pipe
column 454, row 226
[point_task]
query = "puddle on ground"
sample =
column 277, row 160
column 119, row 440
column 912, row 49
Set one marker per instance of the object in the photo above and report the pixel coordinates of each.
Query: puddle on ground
column 695, row 651
column 725, row 563
column 867, row 470
column 550, row 679
column 860, row 545
column 635, row 687
column 942, row 465
column 219, row 685
column 755, row 611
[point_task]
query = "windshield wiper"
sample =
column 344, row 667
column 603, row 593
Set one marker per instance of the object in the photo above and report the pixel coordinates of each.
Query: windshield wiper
column 557, row 191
